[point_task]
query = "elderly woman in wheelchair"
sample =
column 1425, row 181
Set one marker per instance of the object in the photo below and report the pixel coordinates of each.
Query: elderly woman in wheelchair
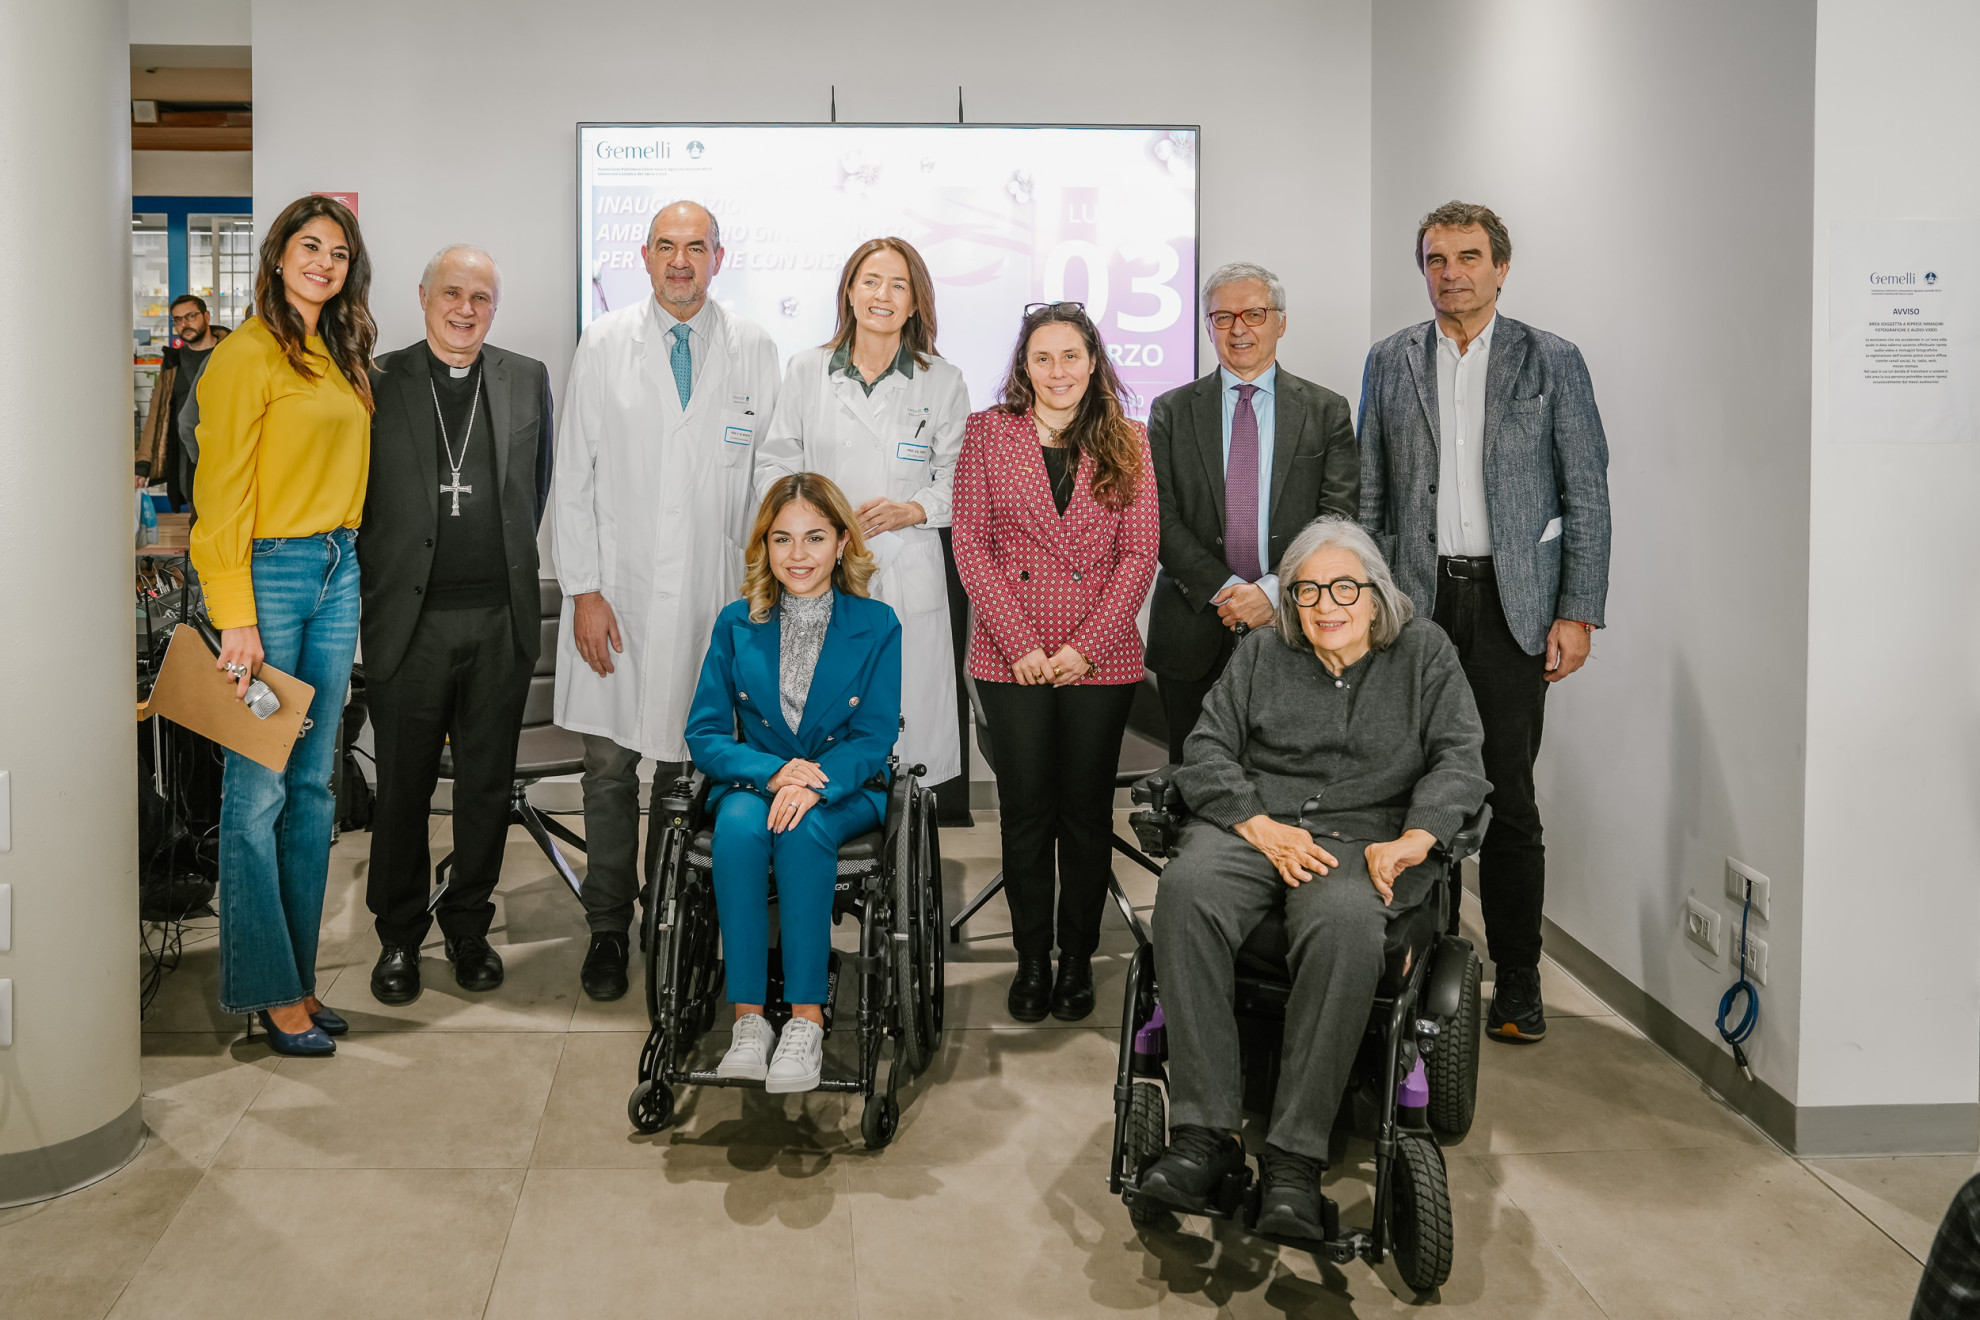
column 1338, row 752
column 795, row 715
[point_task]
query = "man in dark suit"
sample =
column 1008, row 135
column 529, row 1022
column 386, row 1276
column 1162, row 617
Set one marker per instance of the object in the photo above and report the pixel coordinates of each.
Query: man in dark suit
column 1244, row 458
column 1485, row 481
column 460, row 475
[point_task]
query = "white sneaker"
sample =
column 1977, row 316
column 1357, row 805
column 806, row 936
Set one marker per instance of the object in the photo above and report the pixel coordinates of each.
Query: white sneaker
column 749, row 1049
column 799, row 1060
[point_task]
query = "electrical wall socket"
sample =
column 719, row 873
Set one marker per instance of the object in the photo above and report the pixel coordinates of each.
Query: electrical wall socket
column 1703, row 930
column 1756, row 957
column 1738, row 875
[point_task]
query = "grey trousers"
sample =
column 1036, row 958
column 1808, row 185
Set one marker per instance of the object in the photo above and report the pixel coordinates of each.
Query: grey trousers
column 611, row 829
column 1210, row 898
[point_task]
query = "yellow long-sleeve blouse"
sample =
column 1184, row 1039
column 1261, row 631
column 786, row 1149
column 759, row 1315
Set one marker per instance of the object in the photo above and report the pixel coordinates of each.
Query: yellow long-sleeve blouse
column 279, row 456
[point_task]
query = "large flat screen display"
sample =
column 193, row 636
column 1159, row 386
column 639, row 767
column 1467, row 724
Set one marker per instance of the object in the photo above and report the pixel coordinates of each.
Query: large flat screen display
column 1004, row 216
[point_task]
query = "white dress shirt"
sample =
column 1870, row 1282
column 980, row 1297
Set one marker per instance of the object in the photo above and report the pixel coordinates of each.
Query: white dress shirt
column 698, row 345
column 1464, row 527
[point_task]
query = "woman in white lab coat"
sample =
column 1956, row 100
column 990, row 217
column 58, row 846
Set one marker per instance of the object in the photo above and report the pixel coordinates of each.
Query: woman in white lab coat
column 877, row 412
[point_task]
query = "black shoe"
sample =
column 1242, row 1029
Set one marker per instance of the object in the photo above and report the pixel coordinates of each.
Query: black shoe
column 1516, row 1014
column 476, row 965
column 1188, row 1173
column 1290, row 1203
column 395, row 980
column 1072, row 995
column 1031, row 988
column 604, row 974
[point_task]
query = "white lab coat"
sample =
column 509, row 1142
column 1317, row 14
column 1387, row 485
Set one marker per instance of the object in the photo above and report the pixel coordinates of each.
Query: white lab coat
column 900, row 442
column 652, row 508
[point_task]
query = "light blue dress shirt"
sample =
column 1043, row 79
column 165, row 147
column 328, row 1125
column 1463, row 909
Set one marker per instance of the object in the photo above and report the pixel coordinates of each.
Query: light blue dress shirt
column 698, row 344
column 1263, row 406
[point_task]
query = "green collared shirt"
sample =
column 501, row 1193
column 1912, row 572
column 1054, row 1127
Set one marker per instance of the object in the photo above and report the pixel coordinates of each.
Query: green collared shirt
column 842, row 361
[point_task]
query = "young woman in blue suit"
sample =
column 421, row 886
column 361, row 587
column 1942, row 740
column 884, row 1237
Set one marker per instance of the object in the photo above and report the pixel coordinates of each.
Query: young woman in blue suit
column 797, row 709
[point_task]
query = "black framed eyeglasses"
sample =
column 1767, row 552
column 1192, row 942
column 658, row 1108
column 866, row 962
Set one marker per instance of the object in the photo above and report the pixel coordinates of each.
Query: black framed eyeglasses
column 1251, row 316
column 1029, row 308
column 1345, row 591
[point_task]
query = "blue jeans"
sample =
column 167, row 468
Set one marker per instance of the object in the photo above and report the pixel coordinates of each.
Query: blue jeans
column 807, row 858
column 275, row 828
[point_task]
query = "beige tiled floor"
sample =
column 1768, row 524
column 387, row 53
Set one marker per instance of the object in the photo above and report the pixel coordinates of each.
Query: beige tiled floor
column 469, row 1155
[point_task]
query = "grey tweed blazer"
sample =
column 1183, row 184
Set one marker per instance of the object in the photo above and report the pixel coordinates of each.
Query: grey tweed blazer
column 1545, row 458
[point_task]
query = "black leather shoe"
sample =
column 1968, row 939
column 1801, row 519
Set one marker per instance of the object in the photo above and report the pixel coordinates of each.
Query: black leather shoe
column 1290, row 1203
column 1031, row 988
column 604, row 974
column 476, row 965
column 1072, row 995
column 395, row 980
column 1188, row 1173
column 1516, row 1014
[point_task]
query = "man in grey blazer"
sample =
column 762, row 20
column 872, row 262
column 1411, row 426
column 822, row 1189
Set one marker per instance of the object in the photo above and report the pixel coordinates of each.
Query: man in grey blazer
column 1244, row 458
column 1484, row 477
column 460, row 476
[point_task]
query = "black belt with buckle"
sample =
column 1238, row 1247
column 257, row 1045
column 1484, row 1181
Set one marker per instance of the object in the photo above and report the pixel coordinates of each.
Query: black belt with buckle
column 1471, row 568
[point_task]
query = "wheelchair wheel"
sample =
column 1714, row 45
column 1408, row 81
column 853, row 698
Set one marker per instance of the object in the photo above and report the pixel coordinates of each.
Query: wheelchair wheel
column 1420, row 1213
column 1453, row 1064
column 904, row 933
column 1147, row 1138
column 651, row 1107
column 878, row 1123
column 934, row 979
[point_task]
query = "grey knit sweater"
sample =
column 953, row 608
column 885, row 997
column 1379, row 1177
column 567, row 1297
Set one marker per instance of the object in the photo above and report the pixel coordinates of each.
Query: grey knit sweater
column 1393, row 744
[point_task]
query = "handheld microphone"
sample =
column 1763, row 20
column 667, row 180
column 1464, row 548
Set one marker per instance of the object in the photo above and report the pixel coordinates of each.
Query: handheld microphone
column 260, row 698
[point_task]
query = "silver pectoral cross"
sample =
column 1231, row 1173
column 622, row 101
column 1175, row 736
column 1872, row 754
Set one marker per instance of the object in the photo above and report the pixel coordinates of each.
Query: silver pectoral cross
column 457, row 490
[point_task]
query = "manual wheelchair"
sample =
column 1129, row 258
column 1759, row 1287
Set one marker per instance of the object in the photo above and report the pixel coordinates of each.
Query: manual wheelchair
column 889, row 879
column 1414, row 1078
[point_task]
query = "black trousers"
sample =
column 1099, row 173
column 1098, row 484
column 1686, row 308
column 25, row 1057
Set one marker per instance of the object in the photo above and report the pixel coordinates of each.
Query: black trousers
column 1182, row 698
column 1057, row 750
column 1510, row 687
column 463, row 680
column 952, row 796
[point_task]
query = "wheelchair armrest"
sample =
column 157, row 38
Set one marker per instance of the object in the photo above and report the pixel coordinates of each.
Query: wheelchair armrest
column 1469, row 837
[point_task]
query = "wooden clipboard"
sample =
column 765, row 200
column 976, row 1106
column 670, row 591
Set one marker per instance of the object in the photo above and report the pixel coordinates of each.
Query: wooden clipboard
column 192, row 692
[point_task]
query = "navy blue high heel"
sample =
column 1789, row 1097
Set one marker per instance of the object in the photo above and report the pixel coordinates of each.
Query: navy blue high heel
column 311, row 1044
column 330, row 1021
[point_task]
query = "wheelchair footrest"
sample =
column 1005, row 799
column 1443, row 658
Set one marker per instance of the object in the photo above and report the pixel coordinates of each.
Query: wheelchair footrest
column 838, row 1085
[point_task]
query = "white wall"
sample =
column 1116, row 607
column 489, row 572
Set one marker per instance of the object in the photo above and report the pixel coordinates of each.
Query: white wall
column 460, row 126
column 1652, row 162
column 189, row 22
column 1894, row 720
column 192, row 174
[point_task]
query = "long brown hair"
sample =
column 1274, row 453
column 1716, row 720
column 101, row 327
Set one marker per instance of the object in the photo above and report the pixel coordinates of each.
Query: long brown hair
column 918, row 332
column 345, row 325
column 1101, row 426
column 856, row 565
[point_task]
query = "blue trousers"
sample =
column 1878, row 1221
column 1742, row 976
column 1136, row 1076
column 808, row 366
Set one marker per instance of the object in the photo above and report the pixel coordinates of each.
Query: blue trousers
column 275, row 827
column 807, row 859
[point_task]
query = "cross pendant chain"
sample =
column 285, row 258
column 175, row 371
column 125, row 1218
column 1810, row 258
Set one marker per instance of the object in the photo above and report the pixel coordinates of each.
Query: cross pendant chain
column 456, row 489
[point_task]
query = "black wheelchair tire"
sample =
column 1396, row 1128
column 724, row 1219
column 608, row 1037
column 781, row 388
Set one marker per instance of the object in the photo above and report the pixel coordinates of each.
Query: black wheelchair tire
column 904, row 953
column 880, row 1120
column 1420, row 1213
column 1453, row 1065
column 1147, row 1138
column 934, row 969
column 650, row 1107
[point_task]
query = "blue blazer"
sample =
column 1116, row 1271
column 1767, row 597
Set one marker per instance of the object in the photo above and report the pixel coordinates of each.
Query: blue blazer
column 852, row 714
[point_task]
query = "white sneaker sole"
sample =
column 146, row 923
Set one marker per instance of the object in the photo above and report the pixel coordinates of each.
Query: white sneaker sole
column 793, row 1085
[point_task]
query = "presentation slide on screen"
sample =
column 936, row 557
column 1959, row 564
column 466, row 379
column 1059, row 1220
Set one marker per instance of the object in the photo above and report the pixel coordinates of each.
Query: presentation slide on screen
column 1003, row 216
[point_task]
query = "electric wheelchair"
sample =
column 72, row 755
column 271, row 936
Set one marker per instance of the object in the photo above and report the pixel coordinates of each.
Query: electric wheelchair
column 1414, row 1078
column 889, row 880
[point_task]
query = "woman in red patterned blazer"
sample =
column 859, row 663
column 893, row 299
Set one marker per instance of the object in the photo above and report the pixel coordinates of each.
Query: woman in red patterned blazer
column 1056, row 533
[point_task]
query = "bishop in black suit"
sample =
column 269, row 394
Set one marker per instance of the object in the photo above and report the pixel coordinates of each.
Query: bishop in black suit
column 460, row 476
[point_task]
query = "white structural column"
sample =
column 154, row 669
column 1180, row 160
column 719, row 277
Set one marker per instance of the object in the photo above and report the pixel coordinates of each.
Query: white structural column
column 69, row 1079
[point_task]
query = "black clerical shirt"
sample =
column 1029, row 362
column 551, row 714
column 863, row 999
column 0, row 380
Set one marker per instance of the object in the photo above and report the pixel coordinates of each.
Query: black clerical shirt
column 470, row 565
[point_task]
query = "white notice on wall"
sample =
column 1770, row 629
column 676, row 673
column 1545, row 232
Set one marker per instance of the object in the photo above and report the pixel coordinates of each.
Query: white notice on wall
column 1902, row 336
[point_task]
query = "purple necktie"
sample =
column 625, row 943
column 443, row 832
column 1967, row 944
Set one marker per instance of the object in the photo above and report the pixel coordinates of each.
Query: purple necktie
column 1241, row 490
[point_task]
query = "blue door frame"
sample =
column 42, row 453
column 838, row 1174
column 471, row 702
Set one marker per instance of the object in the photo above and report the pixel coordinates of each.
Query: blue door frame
column 178, row 265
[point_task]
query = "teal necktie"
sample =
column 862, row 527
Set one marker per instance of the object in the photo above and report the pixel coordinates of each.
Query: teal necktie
column 683, row 365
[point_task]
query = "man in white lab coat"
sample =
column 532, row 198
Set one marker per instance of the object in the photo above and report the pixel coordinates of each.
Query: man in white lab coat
column 652, row 499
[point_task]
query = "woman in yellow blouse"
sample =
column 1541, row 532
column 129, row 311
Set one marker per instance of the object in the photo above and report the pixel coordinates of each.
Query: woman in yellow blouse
column 284, row 448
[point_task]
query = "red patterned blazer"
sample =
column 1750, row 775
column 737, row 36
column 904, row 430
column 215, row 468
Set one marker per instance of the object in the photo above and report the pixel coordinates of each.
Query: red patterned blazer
column 1040, row 580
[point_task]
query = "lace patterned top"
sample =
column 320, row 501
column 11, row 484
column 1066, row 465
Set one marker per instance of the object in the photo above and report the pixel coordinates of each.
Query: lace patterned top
column 804, row 622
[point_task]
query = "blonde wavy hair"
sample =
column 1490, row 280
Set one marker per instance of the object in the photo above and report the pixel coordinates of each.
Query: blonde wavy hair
column 856, row 563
